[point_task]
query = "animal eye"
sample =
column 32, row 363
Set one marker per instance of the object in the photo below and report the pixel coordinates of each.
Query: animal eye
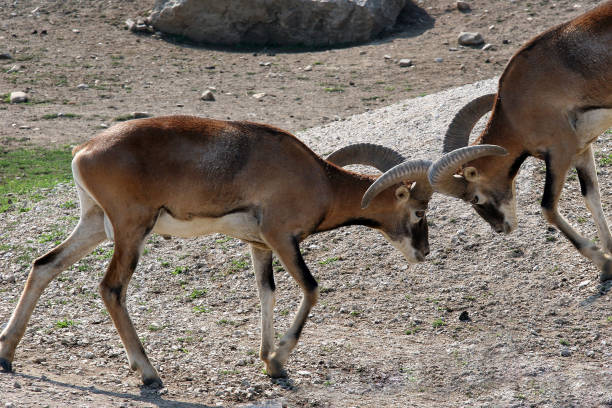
column 419, row 213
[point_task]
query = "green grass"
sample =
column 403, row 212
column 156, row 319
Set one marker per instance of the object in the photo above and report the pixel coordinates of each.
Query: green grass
column 23, row 172
column 64, row 324
column 50, row 116
column 197, row 293
column 438, row 323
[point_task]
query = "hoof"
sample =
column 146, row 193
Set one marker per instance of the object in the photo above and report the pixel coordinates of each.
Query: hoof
column 606, row 273
column 154, row 382
column 275, row 369
column 6, row 365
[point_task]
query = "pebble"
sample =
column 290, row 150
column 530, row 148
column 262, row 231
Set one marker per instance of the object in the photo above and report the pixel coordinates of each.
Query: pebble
column 387, row 57
column 139, row 115
column 463, row 6
column 265, row 64
column 487, row 47
column 470, row 38
column 404, row 62
column 259, row 96
column 17, row 385
column 82, row 86
column 308, row 68
column 18, row 97
column 207, row 95
column 439, row 59
column 584, row 283
column 5, row 55
column 566, row 352
column 14, row 68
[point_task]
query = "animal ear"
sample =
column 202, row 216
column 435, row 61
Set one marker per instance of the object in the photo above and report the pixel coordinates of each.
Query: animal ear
column 402, row 193
column 470, row 174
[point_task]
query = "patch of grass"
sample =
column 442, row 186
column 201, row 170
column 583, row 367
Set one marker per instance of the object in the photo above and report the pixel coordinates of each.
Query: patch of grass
column 226, row 322
column 328, row 261
column 197, row 293
column 24, row 171
column 64, row 324
column 201, row 309
column 179, row 270
column 68, row 205
column 606, row 160
column 564, row 342
column 332, row 89
column 439, row 322
column 50, row 116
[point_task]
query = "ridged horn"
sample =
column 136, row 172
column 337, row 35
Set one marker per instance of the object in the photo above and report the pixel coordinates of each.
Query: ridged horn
column 381, row 157
column 411, row 170
column 441, row 173
column 458, row 133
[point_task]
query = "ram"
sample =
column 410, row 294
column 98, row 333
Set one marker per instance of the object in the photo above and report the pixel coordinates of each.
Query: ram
column 185, row 176
column 554, row 99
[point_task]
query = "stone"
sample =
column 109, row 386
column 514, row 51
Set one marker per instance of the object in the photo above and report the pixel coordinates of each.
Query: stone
column 5, row 56
column 487, row 47
column 404, row 62
column 279, row 22
column 18, row 97
column 470, row 38
column 566, row 352
column 439, row 59
column 82, row 86
column 463, row 6
column 139, row 115
column 207, row 95
column 308, row 68
column 259, row 95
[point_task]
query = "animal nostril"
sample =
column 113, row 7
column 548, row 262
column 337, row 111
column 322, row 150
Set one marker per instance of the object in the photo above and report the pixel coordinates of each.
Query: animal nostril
column 426, row 252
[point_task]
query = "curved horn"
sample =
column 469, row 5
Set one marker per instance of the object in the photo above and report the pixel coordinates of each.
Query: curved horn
column 461, row 126
column 410, row 170
column 441, row 174
column 381, row 157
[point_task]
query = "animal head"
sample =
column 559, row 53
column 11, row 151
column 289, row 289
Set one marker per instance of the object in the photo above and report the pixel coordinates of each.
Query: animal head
column 398, row 199
column 477, row 174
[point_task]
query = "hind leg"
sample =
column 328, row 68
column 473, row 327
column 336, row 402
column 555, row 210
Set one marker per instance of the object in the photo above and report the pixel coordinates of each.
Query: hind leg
column 129, row 238
column 262, row 263
column 589, row 186
column 88, row 233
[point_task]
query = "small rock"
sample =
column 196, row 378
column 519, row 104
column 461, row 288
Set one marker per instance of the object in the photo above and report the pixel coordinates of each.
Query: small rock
column 505, row 42
column 590, row 353
column 387, row 57
column 463, row 6
column 17, row 385
column 103, row 125
column 82, row 86
column 584, row 283
column 487, row 47
column 18, row 97
column 566, row 352
column 469, row 38
column 439, row 59
column 89, row 355
column 5, row 56
column 130, row 24
column 308, row 68
column 404, row 62
column 139, row 115
column 14, row 68
column 259, row 95
column 76, row 31
column 265, row 64
column 207, row 95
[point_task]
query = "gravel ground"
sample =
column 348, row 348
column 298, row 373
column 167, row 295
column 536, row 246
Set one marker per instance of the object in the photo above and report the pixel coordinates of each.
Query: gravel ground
column 385, row 333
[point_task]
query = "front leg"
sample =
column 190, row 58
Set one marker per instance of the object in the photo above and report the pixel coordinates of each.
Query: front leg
column 288, row 252
column 585, row 166
column 262, row 263
column 556, row 171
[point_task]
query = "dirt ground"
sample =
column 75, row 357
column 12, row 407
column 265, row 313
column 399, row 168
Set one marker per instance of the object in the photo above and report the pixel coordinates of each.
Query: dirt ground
column 384, row 334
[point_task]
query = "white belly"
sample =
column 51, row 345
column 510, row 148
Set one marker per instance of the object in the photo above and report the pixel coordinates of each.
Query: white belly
column 238, row 225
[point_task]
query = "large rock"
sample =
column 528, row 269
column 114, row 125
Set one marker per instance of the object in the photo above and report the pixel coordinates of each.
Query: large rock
column 282, row 22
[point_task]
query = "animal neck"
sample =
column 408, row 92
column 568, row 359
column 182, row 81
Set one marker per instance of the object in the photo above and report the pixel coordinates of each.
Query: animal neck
column 345, row 208
column 499, row 133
